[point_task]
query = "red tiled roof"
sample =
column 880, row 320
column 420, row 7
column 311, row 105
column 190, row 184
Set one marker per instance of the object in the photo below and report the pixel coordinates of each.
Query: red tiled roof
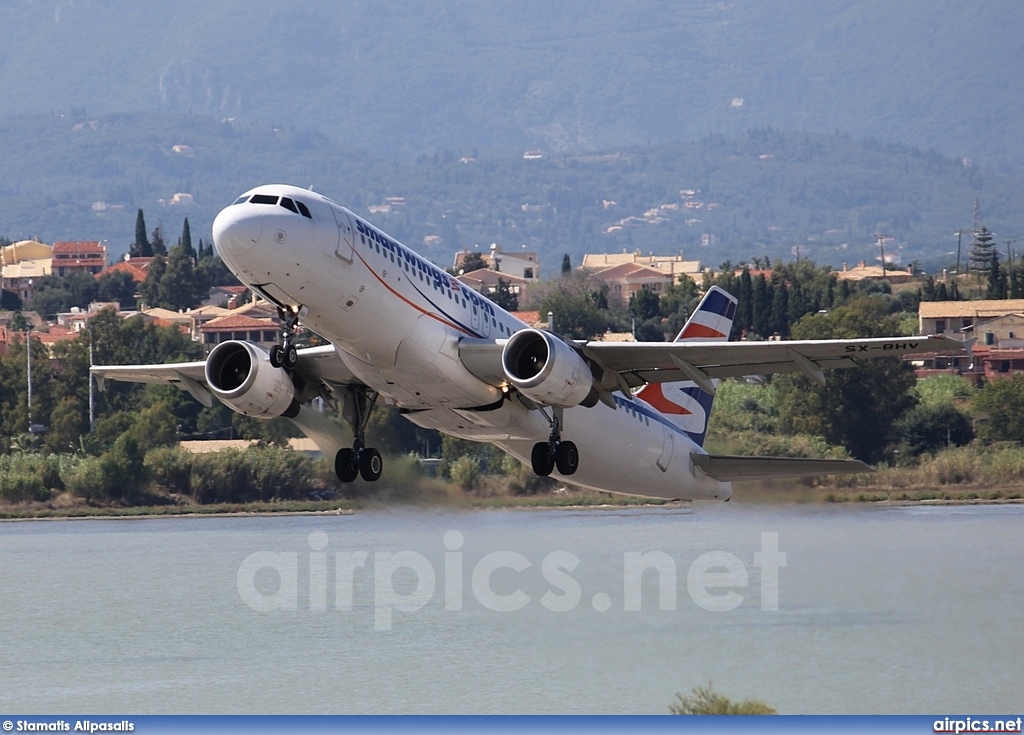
column 238, row 321
column 136, row 268
column 632, row 271
column 79, row 246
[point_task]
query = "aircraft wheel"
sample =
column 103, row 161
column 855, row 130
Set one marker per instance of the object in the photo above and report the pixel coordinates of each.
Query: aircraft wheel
column 291, row 357
column 541, row 459
column 567, row 458
column 277, row 356
column 346, row 466
column 370, row 464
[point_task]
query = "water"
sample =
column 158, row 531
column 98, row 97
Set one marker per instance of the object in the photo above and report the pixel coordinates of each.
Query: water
column 888, row 610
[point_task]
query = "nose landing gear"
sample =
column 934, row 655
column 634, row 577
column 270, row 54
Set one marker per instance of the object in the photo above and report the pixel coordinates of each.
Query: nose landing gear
column 285, row 354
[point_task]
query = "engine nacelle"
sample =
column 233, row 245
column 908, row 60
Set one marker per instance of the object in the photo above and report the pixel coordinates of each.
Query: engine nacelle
column 546, row 369
column 241, row 376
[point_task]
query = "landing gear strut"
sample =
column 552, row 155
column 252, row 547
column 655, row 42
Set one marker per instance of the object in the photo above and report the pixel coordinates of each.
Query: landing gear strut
column 360, row 460
column 285, row 355
column 564, row 455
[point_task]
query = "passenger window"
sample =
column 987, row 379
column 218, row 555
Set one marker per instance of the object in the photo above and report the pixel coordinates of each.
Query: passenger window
column 303, row 209
column 263, row 199
column 289, row 204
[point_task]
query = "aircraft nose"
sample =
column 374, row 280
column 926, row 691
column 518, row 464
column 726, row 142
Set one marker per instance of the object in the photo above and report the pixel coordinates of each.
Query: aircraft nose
column 236, row 230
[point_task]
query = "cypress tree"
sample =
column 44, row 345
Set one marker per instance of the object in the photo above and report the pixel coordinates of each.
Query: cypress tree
column 745, row 307
column 566, row 265
column 141, row 247
column 186, row 241
column 762, row 306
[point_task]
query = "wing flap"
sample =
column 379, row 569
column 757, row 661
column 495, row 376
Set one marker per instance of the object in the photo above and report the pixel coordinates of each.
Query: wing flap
column 731, row 468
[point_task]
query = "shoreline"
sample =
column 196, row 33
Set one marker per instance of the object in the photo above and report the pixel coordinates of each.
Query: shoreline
column 13, row 514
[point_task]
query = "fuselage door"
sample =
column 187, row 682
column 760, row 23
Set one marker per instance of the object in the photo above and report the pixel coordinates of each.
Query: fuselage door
column 667, row 448
column 346, row 233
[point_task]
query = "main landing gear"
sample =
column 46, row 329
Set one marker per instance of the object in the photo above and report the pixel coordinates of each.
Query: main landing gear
column 546, row 456
column 285, row 355
column 360, row 460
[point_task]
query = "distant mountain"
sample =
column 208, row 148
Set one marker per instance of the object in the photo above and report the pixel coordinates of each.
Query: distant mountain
column 763, row 193
column 399, row 78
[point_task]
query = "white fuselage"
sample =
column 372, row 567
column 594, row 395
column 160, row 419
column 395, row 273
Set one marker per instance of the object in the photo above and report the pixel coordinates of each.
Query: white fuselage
column 396, row 321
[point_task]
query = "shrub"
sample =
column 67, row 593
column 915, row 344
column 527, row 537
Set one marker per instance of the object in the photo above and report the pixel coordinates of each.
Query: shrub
column 706, row 701
column 465, row 471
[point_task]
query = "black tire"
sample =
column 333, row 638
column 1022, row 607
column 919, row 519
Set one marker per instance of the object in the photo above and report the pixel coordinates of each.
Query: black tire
column 370, row 464
column 567, row 458
column 291, row 357
column 346, row 467
column 541, row 460
column 277, row 356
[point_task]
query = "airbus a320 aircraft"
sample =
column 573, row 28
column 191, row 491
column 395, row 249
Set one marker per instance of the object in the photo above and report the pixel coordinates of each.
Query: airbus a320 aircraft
column 621, row 417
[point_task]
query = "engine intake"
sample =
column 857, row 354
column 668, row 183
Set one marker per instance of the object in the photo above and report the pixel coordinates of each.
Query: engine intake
column 546, row 369
column 242, row 378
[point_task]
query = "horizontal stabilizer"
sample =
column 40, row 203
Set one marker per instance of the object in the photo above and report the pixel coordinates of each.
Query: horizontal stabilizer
column 730, row 468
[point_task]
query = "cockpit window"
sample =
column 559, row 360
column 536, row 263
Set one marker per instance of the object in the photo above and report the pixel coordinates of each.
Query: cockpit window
column 263, row 199
column 288, row 204
column 240, row 199
column 303, row 209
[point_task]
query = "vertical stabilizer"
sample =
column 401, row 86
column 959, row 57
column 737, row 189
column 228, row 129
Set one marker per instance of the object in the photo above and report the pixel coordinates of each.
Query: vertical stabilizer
column 683, row 402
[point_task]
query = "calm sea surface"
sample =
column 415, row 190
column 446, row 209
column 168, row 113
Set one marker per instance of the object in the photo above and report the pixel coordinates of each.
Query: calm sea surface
column 884, row 610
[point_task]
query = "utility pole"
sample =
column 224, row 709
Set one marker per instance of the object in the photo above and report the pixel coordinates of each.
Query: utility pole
column 1009, row 268
column 959, row 234
column 881, row 249
column 92, row 401
column 28, row 359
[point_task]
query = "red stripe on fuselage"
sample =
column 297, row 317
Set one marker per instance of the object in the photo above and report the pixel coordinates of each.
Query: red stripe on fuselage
column 418, row 308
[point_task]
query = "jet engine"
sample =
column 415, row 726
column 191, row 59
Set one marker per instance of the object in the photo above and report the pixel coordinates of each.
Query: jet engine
column 241, row 376
column 547, row 370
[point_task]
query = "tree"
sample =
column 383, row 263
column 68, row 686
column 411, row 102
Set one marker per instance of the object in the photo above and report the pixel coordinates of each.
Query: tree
column 179, row 288
column 576, row 314
column 644, row 304
column 472, row 262
column 504, row 297
column 780, row 311
column 186, row 241
column 706, row 701
column 982, row 252
column 117, row 286
column 858, row 407
column 566, row 265
column 928, row 428
column 745, row 303
column 141, row 247
column 158, row 244
column 1001, row 402
column 150, row 288
column 762, row 306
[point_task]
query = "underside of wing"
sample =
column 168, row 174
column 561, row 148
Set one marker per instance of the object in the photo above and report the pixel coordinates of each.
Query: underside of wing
column 730, row 468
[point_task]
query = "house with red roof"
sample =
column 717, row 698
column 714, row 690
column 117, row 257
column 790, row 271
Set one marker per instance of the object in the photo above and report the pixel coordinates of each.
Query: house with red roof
column 88, row 256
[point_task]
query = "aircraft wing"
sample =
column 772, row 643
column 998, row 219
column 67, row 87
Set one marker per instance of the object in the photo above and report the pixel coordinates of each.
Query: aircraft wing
column 315, row 364
column 730, row 468
column 633, row 364
column 664, row 362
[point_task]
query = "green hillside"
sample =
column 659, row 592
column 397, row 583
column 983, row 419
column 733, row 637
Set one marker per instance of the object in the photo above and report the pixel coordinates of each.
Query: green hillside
column 763, row 193
column 397, row 79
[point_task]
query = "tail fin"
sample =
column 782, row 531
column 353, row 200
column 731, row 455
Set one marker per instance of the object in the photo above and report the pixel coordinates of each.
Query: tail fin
column 683, row 402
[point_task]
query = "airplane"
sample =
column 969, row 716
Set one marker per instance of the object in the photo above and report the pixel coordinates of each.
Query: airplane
column 620, row 417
